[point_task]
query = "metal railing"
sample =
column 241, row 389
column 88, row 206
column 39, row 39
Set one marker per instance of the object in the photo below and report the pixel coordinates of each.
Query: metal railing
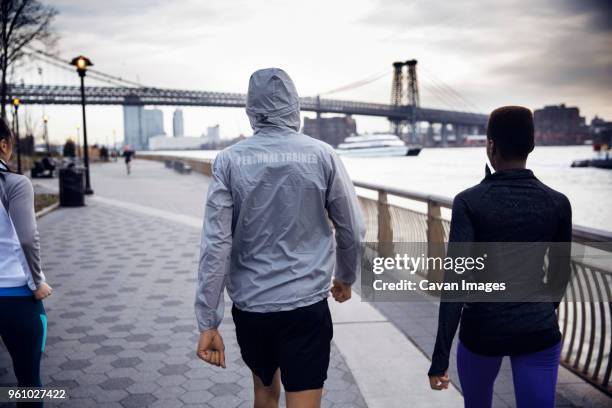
column 585, row 314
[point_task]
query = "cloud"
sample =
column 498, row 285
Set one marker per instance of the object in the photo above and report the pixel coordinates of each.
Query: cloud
column 152, row 24
column 491, row 52
column 597, row 12
column 532, row 49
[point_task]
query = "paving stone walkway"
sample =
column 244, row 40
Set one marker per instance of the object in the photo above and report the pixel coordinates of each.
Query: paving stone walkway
column 121, row 325
column 122, row 330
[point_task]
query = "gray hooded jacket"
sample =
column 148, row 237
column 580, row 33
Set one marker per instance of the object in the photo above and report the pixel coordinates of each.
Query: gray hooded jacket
column 267, row 235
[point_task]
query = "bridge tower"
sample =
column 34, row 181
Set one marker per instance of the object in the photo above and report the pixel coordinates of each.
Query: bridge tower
column 397, row 94
column 413, row 97
column 397, row 86
column 405, row 92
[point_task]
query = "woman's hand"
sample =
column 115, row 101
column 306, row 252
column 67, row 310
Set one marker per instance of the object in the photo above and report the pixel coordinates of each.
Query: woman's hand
column 341, row 291
column 43, row 291
column 439, row 382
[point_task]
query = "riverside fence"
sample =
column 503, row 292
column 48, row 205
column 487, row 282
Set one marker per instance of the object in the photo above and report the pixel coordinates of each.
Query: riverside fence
column 585, row 314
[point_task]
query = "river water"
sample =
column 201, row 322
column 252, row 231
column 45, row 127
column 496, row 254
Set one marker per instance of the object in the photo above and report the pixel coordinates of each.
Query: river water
column 447, row 171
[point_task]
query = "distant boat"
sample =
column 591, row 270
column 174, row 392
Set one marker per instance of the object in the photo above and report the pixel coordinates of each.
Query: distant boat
column 376, row 145
column 581, row 163
column 602, row 159
column 602, row 163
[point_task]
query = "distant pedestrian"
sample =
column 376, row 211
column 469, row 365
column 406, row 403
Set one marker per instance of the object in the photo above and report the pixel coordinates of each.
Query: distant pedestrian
column 128, row 153
column 104, row 153
column 23, row 321
column 267, row 236
column 508, row 206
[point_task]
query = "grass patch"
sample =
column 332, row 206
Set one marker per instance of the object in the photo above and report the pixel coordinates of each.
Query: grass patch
column 42, row 201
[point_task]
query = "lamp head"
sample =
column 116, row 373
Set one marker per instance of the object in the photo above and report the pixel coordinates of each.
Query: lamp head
column 16, row 102
column 45, row 118
column 81, row 63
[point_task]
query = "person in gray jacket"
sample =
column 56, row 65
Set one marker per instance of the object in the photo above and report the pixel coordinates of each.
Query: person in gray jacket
column 23, row 321
column 267, row 238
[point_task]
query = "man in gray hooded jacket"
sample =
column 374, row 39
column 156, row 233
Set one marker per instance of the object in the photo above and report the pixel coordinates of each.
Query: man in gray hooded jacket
column 268, row 239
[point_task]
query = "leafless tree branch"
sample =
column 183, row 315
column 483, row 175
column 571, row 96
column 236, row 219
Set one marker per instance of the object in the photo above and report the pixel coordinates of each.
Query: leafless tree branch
column 22, row 22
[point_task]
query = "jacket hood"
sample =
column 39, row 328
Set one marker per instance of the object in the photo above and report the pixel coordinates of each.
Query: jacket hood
column 272, row 100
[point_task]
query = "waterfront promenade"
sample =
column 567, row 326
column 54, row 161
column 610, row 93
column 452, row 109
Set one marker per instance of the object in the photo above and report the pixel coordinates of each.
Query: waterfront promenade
column 121, row 323
column 121, row 326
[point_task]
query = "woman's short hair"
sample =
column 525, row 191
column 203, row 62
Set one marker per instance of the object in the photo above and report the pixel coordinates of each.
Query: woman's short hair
column 5, row 131
column 511, row 128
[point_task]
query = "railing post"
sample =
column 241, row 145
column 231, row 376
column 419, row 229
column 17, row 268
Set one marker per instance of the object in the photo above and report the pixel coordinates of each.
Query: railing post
column 385, row 230
column 435, row 239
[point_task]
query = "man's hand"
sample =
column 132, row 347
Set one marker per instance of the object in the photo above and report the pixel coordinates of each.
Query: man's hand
column 341, row 291
column 43, row 291
column 439, row 382
column 211, row 348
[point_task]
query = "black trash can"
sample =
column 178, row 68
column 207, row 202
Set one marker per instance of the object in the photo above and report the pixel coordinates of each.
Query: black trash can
column 72, row 187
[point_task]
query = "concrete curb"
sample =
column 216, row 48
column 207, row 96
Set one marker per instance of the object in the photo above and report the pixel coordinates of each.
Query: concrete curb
column 47, row 210
column 389, row 369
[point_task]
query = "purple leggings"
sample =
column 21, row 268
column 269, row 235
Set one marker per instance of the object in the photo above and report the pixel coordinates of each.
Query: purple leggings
column 534, row 376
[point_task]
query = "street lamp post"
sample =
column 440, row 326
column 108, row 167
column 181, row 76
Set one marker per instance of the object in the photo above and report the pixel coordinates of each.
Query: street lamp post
column 81, row 63
column 45, row 120
column 16, row 103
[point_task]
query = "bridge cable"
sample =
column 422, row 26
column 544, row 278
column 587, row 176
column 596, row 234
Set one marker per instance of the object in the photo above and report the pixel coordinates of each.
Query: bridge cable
column 110, row 78
column 66, row 68
column 450, row 90
column 448, row 98
column 359, row 83
column 452, row 100
column 438, row 95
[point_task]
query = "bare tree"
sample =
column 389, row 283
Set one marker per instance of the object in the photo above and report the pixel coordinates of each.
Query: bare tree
column 22, row 22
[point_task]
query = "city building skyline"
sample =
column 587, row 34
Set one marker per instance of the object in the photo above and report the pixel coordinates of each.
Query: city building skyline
column 559, row 124
column 213, row 133
column 153, row 123
column 332, row 130
column 132, row 126
column 140, row 124
column 178, row 125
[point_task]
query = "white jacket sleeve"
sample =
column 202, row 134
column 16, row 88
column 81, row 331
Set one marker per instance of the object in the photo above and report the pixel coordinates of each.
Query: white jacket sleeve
column 344, row 211
column 216, row 248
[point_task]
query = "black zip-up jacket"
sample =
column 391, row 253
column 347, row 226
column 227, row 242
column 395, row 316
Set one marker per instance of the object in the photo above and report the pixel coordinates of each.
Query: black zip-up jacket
column 507, row 206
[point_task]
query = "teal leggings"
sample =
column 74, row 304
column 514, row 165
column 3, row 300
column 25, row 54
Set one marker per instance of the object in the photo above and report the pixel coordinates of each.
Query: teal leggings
column 23, row 328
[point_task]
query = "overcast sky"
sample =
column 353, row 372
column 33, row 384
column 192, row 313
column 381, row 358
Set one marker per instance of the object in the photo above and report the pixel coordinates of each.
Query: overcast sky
column 529, row 52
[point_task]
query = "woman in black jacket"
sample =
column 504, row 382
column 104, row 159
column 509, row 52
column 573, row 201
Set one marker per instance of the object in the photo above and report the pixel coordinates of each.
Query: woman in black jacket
column 510, row 205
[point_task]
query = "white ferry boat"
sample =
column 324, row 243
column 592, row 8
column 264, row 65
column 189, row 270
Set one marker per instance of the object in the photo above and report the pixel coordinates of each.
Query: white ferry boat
column 376, row 145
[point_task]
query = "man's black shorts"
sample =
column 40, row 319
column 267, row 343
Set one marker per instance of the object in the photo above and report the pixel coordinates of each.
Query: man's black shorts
column 296, row 341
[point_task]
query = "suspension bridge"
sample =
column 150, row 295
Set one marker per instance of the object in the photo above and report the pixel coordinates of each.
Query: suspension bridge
column 404, row 110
